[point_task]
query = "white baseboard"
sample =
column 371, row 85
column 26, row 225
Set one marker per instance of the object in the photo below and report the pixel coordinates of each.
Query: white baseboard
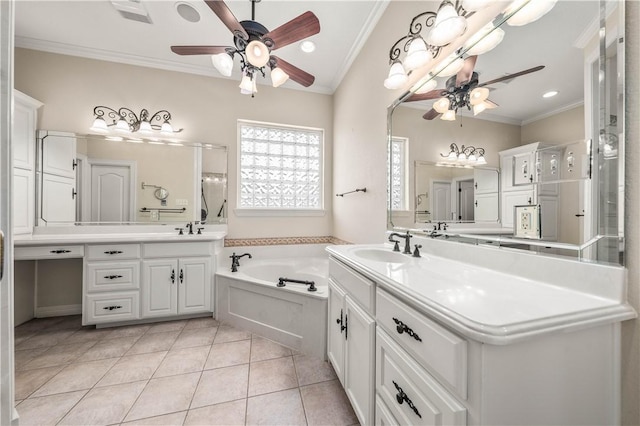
column 58, row 311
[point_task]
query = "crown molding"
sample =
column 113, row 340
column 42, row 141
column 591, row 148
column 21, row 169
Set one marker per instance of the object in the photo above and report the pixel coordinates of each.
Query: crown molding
column 552, row 113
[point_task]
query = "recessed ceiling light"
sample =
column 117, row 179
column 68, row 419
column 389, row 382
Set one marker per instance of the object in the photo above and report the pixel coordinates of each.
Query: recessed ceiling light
column 307, row 46
column 187, row 12
column 550, row 94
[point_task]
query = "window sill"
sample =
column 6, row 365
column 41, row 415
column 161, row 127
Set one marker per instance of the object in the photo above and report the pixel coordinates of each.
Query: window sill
column 278, row 212
column 401, row 213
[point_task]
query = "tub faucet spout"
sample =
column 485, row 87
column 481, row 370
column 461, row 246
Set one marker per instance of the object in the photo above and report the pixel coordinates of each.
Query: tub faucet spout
column 235, row 260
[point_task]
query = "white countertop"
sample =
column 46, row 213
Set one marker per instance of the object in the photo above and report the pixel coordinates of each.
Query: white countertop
column 125, row 237
column 483, row 304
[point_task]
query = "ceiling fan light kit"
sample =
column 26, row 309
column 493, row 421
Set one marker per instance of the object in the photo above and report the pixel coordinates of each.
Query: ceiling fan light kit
column 254, row 44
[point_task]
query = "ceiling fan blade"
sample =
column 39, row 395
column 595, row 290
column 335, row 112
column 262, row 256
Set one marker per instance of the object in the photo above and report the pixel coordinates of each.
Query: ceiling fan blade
column 222, row 11
column 198, row 50
column 295, row 73
column 490, row 104
column 296, row 29
column 465, row 74
column 432, row 94
column 510, row 76
column 431, row 114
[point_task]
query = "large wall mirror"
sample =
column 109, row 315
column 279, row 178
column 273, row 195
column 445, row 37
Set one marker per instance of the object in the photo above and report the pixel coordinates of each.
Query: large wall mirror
column 562, row 153
column 85, row 179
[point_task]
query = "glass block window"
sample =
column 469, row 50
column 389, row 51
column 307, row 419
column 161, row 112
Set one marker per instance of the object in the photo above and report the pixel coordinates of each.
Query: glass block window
column 280, row 167
column 398, row 173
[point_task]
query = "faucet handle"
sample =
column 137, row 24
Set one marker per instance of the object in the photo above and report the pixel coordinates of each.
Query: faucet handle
column 396, row 246
column 179, row 231
column 416, row 252
column 200, row 231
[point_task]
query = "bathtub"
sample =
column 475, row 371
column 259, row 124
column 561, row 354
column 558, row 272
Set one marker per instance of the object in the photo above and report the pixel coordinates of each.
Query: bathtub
column 290, row 315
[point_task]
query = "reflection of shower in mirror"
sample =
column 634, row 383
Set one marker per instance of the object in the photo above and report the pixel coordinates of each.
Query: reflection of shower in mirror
column 213, row 202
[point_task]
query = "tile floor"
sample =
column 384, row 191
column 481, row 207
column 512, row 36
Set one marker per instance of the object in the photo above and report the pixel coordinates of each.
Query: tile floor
column 188, row 372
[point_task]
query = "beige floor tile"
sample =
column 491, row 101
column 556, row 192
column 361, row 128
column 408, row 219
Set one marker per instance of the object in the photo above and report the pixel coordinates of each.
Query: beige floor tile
column 161, row 341
column 86, row 334
column 326, row 403
column 278, row 408
column 165, row 395
column 312, row 370
column 127, row 331
column 162, row 327
column 44, row 339
column 263, row 349
column 182, row 361
column 133, row 368
column 221, row 385
column 228, row 354
column 23, row 357
column 18, row 339
column 27, row 381
column 271, row 376
column 104, row 406
column 166, row 420
column 201, row 323
column 59, row 355
column 228, row 413
column 227, row 333
column 38, row 324
column 195, row 337
column 77, row 376
column 109, row 349
column 47, row 410
column 71, row 322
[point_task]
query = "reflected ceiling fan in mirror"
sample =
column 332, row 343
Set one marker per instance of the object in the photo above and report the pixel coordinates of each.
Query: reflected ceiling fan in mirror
column 463, row 90
column 253, row 43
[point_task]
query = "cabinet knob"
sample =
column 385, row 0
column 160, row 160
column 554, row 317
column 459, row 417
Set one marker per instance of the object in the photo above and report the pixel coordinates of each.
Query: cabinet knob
column 181, row 276
column 173, row 276
column 402, row 397
column 403, row 328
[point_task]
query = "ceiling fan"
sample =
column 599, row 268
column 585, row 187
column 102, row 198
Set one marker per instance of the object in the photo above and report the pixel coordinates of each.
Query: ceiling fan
column 463, row 90
column 253, row 43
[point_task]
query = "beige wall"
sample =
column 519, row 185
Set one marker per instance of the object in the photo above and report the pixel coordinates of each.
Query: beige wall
column 207, row 108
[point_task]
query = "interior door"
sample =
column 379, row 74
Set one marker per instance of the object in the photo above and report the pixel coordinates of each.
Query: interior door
column 465, row 201
column 441, row 208
column 110, row 192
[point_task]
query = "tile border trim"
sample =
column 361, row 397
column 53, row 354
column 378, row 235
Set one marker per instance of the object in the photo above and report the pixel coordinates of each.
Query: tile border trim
column 279, row 241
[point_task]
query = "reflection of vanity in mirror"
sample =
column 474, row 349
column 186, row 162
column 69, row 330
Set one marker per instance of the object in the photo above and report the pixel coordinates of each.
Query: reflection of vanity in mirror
column 547, row 151
column 95, row 179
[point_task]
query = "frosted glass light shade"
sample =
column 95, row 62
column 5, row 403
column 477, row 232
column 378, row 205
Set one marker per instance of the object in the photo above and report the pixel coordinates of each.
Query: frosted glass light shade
column 122, row 126
column 223, row 63
column 278, row 77
column 448, row 26
column 257, row 53
column 425, row 84
column 530, row 12
column 449, row 115
column 478, row 95
column 99, row 125
column 455, row 65
column 475, row 5
column 145, row 128
column 477, row 109
column 166, row 128
column 480, row 161
column 246, row 86
column 417, row 55
column 484, row 40
column 441, row 105
column 397, row 77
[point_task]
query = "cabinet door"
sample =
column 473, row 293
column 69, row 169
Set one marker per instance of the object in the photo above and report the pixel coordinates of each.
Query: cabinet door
column 159, row 288
column 512, row 199
column 335, row 334
column 194, row 285
column 58, row 199
column 23, row 200
column 485, row 180
column 24, row 133
column 486, row 207
column 58, row 155
column 523, row 168
column 549, row 217
column 359, row 368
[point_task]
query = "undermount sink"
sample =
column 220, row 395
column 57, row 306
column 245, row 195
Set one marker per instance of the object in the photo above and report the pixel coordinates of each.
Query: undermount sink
column 380, row 255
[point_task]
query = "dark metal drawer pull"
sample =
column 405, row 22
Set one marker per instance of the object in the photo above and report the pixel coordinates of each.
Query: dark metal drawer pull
column 111, row 308
column 113, row 252
column 402, row 397
column 113, row 277
column 402, row 328
column 60, row 251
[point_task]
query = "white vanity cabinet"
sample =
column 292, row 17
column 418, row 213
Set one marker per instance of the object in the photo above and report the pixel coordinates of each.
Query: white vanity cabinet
column 351, row 336
column 25, row 119
column 176, row 279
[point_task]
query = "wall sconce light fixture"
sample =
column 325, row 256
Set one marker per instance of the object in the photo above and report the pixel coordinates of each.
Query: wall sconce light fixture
column 126, row 121
column 465, row 156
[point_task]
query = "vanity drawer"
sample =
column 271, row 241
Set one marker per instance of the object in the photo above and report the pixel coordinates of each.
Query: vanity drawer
column 113, row 251
column 360, row 288
column 48, row 252
column 411, row 395
column 112, row 307
column 177, row 249
column 441, row 352
column 113, row 276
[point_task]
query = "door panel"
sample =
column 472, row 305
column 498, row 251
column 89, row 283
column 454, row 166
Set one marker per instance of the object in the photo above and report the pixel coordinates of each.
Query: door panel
column 159, row 288
column 194, row 285
column 110, row 193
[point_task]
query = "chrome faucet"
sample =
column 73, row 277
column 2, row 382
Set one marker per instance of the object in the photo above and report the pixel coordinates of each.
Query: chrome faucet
column 407, row 244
